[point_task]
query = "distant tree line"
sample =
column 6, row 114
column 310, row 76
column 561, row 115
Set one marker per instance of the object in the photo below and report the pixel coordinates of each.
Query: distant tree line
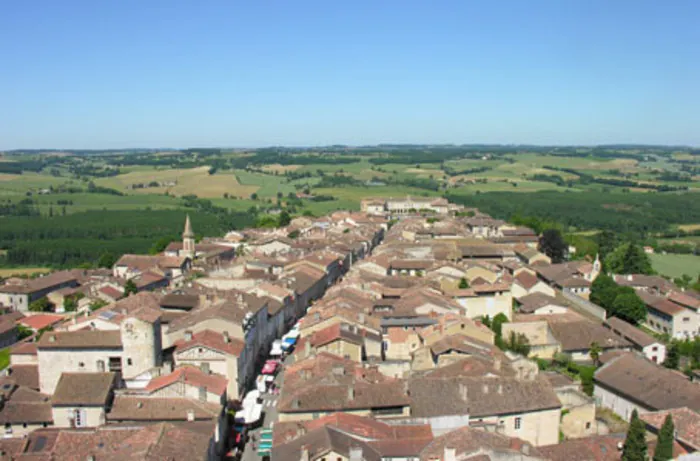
column 83, row 238
column 617, row 212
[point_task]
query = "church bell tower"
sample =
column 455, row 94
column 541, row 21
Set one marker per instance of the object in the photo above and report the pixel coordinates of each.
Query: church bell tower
column 188, row 240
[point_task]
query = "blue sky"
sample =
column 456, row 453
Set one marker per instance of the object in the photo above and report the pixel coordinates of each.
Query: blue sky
column 111, row 74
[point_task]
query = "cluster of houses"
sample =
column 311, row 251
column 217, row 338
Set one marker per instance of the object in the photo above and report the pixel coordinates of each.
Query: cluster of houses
column 394, row 359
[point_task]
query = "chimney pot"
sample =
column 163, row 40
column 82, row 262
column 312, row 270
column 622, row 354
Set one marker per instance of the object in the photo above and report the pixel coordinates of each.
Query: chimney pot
column 304, row 453
column 188, row 335
column 355, row 454
column 227, row 338
column 351, row 393
column 450, row 454
column 190, row 415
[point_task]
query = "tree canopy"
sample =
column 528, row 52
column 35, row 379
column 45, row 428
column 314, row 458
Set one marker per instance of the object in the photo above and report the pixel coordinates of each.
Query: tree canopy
column 630, row 307
column 617, row 301
column 672, row 356
column 130, row 288
column 664, row 445
column 635, row 447
column 553, row 245
column 628, row 258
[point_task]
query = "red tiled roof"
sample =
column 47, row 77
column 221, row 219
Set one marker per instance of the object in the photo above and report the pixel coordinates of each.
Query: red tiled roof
column 212, row 340
column 111, row 292
column 686, row 423
column 526, row 279
column 37, row 322
column 192, row 376
column 24, row 348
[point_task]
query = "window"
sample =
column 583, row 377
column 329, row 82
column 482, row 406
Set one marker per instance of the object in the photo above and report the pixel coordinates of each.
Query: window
column 101, row 366
column 202, row 394
column 518, row 422
column 686, row 319
column 79, row 418
column 655, row 348
column 588, row 425
column 81, row 364
column 129, row 361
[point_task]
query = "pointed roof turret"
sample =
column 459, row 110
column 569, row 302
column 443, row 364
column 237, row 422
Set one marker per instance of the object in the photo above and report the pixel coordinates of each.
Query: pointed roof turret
column 188, row 229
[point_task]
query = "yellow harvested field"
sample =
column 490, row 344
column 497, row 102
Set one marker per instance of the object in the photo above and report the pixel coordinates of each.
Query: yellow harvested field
column 689, row 227
column 683, row 156
column 23, row 271
column 196, row 181
column 617, row 164
column 424, row 171
column 276, row 167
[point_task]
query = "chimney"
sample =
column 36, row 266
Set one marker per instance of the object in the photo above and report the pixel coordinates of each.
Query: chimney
column 307, row 347
column 304, row 453
column 525, row 449
column 449, row 454
column 630, row 277
column 356, row 454
column 500, row 389
column 485, row 388
column 296, row 403
column 497, row 364
column 52, row 338
column 463, row 391
column 351, row 393
column 190, row 415
column 338, row 370
column 227, row 338
column 139, row 405
column 361, row 318
column 188, row 335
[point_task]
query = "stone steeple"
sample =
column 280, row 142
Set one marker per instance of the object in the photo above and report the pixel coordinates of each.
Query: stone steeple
column 188, row 240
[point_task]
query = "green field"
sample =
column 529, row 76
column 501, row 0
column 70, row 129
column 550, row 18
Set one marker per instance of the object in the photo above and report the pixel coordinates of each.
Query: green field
column 600, row 191
column 265, row 185
column 4, row 358
column 673, row 265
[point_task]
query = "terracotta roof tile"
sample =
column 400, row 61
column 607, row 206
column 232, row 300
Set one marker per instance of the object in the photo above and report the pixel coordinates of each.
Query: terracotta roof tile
column 134, row 408
column 39, row 321
column 90, row 389
column 194, row 377
column 686, row 423
column 652, row 386
column 212, row 340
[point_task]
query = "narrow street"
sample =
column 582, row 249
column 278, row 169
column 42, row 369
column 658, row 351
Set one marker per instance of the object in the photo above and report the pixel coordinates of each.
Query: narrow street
column 270, row 417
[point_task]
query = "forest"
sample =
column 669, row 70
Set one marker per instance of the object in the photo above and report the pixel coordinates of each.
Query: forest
column 619, row 212
column 83, row 238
